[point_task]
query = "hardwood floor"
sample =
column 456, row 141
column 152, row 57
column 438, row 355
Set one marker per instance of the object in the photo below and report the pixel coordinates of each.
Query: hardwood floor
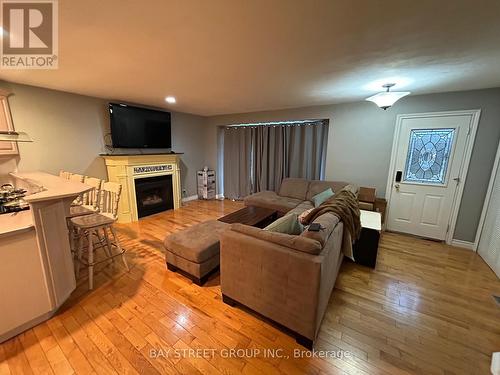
column 426, row 309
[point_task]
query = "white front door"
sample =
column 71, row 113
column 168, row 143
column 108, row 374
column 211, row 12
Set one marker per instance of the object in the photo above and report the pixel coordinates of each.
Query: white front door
column 428, row 161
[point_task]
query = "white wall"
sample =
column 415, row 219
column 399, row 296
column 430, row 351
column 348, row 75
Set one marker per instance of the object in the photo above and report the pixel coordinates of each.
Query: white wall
column 360, row 141
column 68, row 132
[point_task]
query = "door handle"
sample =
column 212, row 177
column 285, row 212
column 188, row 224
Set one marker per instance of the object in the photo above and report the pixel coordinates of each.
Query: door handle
column 396, row 186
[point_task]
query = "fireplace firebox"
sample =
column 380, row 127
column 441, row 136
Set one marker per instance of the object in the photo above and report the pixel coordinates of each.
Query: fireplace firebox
column 153, row 195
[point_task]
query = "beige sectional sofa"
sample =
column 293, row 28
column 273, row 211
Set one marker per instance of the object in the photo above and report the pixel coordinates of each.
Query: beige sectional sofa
column 286, row 278
column 293, row 192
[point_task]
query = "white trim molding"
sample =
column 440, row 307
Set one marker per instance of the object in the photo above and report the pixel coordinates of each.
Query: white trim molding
column 195, row 197
column 464, row 244
column 487, row 199
column 190, row 198
column 464, row 167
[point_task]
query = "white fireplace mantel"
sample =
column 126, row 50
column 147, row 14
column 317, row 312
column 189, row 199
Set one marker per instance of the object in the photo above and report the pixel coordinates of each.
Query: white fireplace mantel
column 124, row 169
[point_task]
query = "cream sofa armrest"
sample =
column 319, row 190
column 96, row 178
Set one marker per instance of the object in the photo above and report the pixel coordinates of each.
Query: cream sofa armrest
column 276, row 281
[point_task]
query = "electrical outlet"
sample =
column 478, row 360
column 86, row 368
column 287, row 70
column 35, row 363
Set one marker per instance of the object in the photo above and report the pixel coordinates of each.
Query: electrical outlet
column 184, row 192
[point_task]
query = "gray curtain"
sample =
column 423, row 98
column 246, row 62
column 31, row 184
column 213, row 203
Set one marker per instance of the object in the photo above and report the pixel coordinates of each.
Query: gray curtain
column 307, row 150
column 271, row 161
column 257, row 158
column 238, row 157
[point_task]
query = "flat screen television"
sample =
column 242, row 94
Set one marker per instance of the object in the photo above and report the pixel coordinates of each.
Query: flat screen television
column 136, row 127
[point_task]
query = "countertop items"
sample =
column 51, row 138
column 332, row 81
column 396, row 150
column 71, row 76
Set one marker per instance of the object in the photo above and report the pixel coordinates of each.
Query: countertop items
column 11, row 199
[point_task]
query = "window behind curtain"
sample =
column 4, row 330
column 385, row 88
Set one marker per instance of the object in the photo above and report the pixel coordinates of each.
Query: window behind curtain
column 257, row 157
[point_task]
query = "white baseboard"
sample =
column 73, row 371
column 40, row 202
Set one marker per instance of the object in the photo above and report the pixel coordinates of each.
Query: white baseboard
column 463, row 244
column 190, row 198
column 195, row 197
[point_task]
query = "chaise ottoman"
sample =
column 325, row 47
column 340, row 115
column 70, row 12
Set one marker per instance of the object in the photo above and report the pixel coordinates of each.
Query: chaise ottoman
column 194, row 251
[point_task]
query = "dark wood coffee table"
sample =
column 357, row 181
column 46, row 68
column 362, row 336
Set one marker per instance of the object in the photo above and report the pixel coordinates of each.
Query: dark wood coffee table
column 251, row 215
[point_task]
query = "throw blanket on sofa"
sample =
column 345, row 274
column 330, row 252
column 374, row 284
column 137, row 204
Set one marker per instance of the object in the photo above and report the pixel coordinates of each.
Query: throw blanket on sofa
column 345, row 205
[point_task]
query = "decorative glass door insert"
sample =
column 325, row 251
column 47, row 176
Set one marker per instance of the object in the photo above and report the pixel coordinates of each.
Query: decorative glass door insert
column 428, row 155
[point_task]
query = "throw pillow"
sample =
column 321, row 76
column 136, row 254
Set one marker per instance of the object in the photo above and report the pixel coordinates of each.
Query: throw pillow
column 322, row 197
column 288, row 224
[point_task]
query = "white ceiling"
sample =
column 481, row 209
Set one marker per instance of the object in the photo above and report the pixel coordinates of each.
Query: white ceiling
column 227, row 56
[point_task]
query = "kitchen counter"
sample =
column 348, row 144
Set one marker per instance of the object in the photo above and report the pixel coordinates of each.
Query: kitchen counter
column 50, row 186
column 35, row 256
column 15, row 223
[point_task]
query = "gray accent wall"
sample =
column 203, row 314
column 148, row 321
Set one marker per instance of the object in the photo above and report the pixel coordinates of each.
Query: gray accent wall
column 69, row 129
column 360, row 142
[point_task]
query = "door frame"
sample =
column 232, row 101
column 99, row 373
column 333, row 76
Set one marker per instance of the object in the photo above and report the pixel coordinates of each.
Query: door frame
column 464, row 166
column 487, row 199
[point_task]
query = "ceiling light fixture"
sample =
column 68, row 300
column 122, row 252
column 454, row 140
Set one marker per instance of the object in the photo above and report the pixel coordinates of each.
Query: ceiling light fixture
column 387, row 98
column 170, row 99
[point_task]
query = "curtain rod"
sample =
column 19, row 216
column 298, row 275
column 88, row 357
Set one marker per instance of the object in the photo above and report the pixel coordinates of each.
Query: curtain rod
column 274, row 123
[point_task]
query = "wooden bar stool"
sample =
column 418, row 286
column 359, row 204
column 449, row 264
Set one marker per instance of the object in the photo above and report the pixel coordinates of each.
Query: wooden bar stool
column 77, row 178
column 98, row 224
column 64, row 174
column 90, row 205
column 89, row 200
